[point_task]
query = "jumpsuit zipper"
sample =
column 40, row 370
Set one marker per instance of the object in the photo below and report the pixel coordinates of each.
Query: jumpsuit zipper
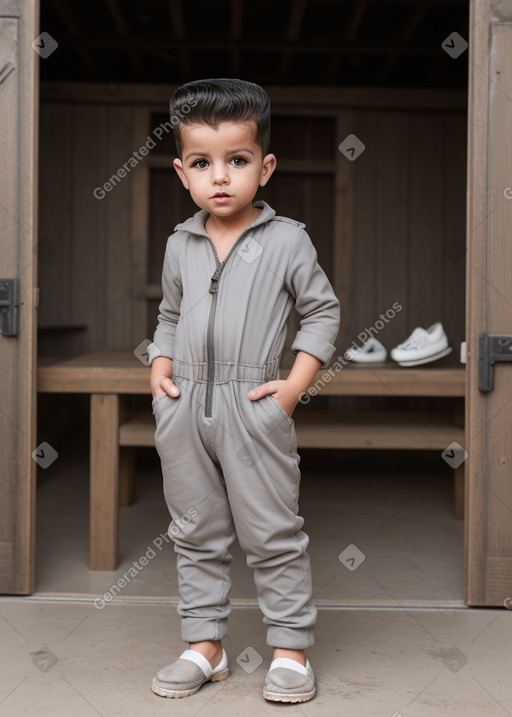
column 210, row 341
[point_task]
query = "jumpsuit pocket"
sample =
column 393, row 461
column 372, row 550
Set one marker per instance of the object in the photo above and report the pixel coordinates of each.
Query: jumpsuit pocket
column 281, row 446
column 158, row 403
column 277, row 425
column 274, row 402
column 157, row 400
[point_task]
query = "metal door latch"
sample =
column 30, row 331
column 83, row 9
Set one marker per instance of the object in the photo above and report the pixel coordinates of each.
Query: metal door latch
column 9, row 306
column 491, row 348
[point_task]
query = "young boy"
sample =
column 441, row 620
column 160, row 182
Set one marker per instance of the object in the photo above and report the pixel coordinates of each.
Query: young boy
column 224, row 431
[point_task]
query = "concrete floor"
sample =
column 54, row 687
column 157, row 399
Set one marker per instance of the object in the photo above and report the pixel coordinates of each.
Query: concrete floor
column 393, row 636
column 72, row 660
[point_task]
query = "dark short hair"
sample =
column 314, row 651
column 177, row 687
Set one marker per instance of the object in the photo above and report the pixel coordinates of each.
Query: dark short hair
column 221, row 100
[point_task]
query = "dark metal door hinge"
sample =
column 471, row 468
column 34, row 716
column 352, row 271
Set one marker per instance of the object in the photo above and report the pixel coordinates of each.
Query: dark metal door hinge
column 9, row 306
column 491, row 348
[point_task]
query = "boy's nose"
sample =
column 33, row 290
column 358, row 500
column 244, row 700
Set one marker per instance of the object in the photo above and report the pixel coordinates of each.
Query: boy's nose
column 219, row 174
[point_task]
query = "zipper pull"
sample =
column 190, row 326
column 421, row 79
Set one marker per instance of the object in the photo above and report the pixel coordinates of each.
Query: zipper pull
column 215, row 282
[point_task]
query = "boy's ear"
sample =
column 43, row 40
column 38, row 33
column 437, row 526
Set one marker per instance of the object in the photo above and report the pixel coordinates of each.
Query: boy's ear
column 178, row 166
column 269, row 164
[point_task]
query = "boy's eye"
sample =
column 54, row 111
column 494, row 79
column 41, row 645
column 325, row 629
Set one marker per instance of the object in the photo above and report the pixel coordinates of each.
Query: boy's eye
column 239, row 161
column 200, row 163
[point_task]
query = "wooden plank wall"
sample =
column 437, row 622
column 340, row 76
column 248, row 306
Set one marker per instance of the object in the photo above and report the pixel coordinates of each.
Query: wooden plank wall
column 408, row 219
column 85, row 253
column 408, row 245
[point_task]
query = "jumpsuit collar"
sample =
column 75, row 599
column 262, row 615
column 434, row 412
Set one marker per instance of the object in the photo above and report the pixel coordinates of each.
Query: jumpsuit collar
column 196, row 223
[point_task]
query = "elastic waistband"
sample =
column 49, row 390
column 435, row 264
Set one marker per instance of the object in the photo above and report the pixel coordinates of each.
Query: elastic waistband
column 226, row 371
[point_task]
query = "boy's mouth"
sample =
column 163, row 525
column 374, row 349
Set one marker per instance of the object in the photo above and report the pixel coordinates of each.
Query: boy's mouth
column 221, row 197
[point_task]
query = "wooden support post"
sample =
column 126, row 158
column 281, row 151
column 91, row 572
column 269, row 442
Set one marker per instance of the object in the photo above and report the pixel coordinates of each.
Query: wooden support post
column 104, row 468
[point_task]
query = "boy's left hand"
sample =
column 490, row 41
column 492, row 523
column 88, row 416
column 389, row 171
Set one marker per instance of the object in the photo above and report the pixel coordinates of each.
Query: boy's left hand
column 283, row 391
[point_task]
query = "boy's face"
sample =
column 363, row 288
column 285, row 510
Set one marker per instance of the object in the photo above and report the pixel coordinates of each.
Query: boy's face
column 223, row 167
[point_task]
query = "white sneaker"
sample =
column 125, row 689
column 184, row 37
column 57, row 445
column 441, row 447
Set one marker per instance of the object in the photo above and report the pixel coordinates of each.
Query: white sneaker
column 422, row 346
column 372, row 351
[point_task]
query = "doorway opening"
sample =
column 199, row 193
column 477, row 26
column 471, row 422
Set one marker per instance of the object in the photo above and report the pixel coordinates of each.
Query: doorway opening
column 389, row 228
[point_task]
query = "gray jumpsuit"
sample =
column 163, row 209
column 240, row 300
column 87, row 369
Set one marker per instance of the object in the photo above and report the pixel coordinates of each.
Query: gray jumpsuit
column 230, row 463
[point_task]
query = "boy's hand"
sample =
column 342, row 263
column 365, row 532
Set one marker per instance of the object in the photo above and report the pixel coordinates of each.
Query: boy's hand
column 283, row 391
column 288, row 392
column 161, row 378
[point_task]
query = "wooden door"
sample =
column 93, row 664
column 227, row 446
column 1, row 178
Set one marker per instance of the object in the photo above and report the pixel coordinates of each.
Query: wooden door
column 19, row 97
column 489, row 304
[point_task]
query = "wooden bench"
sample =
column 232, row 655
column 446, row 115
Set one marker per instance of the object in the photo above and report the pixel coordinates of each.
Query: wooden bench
column 110, row 376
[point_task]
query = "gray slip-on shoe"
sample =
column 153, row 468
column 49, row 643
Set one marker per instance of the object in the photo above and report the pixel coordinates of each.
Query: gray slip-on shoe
column 187, row 674
column 289, row 681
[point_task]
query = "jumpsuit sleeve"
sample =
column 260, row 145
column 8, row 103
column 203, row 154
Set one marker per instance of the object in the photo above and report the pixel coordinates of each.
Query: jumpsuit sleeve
column 315, row 302
column 169, row 310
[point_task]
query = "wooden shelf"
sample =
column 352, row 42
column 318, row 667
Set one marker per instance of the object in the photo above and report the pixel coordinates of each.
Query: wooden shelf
column 390, row 379
column 119, row 371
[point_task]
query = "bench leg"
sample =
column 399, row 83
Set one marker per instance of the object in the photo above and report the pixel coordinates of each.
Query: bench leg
column 126, row 476
column 458, row 491
column 104, row 510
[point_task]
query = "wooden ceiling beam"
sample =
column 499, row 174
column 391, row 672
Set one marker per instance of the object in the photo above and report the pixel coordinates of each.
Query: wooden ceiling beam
column 72, row 24
column 295, row 19
column 123, row 29
column 346, row 38
column 307, row 100
column 261, row 46
column 178, row 27
column 235, row 33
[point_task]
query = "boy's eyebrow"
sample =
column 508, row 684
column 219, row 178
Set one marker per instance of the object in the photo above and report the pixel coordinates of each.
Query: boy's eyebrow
column 231, row 151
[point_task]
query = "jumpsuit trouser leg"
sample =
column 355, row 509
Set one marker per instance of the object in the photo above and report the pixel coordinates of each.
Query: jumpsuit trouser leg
column 237, row 469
